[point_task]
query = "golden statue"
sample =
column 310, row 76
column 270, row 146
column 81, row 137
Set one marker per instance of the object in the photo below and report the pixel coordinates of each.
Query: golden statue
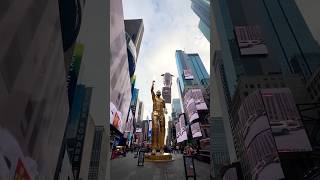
column 158, row 121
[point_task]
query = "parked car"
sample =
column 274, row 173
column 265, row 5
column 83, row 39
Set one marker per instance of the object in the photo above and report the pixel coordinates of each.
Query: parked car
column 284, row 127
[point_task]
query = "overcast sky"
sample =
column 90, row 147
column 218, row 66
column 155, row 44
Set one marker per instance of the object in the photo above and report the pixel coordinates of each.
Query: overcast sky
column 169, row 25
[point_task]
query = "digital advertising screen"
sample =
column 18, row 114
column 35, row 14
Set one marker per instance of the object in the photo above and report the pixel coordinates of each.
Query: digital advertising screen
column 192, row 110
column 250, row 40
column 285, row 120
column 187, row 74
column 195, row 129
column 138, row 130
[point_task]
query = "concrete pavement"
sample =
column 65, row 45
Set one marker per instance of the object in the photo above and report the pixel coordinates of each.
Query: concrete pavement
column 126, row 169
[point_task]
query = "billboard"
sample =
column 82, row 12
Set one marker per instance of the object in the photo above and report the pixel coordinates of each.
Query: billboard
column 117, row 122
column 250, row 40
column 182, row 131
column 195, row 129
column 261, row 155
column 129, row 122
column 166, row 94
column 113, row 111
column 167, row 79
column 285, row 120
column 192, row 110
column 187, row 74
column 138, row 130
column 197, row 96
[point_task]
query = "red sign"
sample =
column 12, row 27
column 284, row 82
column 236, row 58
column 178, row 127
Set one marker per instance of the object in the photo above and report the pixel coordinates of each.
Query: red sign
column 21, row 172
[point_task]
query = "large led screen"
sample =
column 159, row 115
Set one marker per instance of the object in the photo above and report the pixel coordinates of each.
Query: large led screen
column 250, row 40
column 285, row 121
column 181, row 129
column 195, row 129
column 192, row 110
column 187, row 74
column 197, row 96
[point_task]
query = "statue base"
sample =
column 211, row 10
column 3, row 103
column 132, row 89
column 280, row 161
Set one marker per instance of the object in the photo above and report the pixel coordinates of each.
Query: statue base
column 158, row 157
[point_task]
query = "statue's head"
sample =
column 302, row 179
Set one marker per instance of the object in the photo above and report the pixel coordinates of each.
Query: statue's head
column 158, row 93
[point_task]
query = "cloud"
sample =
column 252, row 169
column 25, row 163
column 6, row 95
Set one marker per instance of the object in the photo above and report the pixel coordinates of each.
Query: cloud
column 168, row 26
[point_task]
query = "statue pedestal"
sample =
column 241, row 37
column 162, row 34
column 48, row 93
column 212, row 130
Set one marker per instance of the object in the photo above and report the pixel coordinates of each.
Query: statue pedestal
column 158, row 157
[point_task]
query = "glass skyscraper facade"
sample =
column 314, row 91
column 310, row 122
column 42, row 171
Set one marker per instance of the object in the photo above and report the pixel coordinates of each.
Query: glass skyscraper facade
column 290, row 45
column 258, row 38
column 202, row 9
column 194, row 63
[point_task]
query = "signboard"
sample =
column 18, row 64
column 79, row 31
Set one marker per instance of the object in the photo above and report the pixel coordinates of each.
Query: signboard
column 187, row 74
column 189, row 167
column 167, row 79
column 166, row 94
column 285, row 120
column 77, row 148
column 117, row 120
column 195, row 129
column 192, row 110
column 138, row 130
column 181, row 129
column 113, row 111
column 21, row 172
column 250, row 40
column 197, row 96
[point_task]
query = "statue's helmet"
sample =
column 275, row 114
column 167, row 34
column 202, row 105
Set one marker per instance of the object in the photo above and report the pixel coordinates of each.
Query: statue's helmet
column 158, row 93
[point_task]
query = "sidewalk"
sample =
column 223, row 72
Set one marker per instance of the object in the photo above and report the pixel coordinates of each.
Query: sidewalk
column 126, row 169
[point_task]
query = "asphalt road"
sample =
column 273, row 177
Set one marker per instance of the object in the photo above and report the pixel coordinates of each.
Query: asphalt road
column 126, row 169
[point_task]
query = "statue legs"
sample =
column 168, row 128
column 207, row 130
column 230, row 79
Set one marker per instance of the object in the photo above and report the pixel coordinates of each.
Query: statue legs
column 155, row 133
column 161, row 132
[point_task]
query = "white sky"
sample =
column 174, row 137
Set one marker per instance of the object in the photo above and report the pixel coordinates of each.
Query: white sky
column 169, row 25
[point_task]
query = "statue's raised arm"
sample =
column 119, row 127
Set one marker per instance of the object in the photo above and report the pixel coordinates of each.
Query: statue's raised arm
column 152, row 93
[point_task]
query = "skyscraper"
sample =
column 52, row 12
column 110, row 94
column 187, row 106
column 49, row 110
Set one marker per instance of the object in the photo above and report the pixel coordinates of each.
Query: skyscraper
column 140, row 112
column 134, row 32
column 202, row 9
column 33, row 103
column 120, row 86
column 286, row 44
column 258, row 38
column 191, row 71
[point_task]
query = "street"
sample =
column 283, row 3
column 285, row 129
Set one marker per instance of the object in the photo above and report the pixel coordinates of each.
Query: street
column 126, row 169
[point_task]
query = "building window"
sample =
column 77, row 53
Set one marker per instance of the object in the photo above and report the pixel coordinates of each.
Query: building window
column 251, row 86
column 275, row 85
column 259, row 85
column 246, row 85
column 283, row 85
column 267, row 86
column 245, row 93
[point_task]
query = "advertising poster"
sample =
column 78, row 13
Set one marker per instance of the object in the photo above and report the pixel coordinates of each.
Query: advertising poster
column 195, row 129
column 285, row 121
column 166, row 94
column 150, row 130
column 197, row 96
column 129, row 123
column 183, row 130
column 192, row 110
column 113, row 111
column 250, row 40
column 139, row 130
column 199, row 100
column 117, row 120
column 187, row 74
column 259, row 145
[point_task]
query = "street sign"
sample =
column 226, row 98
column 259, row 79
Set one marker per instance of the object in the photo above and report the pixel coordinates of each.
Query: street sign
column 141, row 158
column 189, row 167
